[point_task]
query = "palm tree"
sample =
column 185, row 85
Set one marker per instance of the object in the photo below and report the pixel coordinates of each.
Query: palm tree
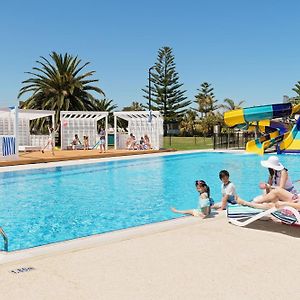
column 296, row 100
column 296, row 89
column 105, row 105
column 229, row 104
column 59, row 85
column 187, row 124
column 205, row 99
column 134, row 106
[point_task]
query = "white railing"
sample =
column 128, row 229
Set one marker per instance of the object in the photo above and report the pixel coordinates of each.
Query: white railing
column 121, row 140
column 39, row 141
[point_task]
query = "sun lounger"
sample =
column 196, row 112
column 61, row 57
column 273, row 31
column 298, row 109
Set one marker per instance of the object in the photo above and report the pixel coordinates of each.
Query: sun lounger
column 30, row 148
column 288, row 215
column 243, row 215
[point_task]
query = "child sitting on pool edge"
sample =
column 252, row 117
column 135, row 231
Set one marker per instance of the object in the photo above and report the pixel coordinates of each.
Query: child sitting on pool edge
column 228, row 191
column 205, row 202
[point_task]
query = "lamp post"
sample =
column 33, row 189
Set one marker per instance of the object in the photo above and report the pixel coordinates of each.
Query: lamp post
column 149, row 92
column 149, row 78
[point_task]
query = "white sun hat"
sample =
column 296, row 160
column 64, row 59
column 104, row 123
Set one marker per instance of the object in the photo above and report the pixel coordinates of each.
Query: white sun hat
column 273, row 163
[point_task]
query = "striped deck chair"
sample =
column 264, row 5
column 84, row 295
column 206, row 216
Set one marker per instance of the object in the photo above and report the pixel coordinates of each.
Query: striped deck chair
column 244, row 215
column 288, row 215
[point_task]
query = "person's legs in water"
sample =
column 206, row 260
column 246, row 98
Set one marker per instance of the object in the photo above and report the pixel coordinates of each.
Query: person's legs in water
column 193, row 212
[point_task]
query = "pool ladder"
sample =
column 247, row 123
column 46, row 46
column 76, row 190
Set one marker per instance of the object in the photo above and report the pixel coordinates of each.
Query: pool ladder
column 5, row 239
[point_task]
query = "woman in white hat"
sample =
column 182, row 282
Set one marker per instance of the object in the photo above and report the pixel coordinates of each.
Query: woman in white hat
column 280, row 188
column 278, row 177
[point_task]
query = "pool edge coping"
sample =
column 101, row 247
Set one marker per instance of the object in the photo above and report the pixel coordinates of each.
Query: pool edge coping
column 95, row 240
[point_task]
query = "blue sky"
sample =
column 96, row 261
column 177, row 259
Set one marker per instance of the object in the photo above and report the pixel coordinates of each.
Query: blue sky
column 248, row 50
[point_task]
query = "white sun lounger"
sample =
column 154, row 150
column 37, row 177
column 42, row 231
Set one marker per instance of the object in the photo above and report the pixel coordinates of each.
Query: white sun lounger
column 243, row 215
column 30, row 148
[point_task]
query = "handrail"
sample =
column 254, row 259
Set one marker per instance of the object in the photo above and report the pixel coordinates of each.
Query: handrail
column 4, row 238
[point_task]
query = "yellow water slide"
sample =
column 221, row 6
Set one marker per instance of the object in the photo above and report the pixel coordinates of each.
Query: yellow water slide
column 291, row 140
column 259, row 117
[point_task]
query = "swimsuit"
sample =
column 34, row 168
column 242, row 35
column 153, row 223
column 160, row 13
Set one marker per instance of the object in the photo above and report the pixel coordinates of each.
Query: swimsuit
column 203, row 203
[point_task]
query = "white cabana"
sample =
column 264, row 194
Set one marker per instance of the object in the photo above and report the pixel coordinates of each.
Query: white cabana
column 139, row 124
column 82, row 123
column 11, row 116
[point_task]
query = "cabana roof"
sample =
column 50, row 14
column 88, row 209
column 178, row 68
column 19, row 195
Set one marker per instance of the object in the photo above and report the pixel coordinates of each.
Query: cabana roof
column 134, row 115
column 82, row 123
column 96, row 115
column 28, row 114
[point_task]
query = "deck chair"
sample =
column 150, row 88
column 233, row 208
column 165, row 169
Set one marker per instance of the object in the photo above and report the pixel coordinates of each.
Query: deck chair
column 288, row 215
column 243, row 215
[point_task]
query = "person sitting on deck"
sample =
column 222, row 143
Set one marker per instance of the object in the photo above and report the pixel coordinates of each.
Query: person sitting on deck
column 205, row 202
column 131, row 142
column 141, row 145
column 86, row 142
column 278, row 175
column 228, row 191
column 147, row 142
column 75, row 142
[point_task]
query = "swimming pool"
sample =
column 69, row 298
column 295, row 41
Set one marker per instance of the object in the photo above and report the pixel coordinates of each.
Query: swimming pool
column 48, row 205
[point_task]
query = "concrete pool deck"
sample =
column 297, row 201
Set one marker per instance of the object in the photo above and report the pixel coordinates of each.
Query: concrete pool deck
column 193, row 259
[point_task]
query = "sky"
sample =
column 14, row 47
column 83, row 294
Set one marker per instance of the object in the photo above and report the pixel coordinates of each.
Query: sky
column 247, row 50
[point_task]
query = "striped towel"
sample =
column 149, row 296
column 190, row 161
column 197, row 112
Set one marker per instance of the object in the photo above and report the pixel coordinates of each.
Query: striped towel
column 8, row 146
column 285, row 216
column 240, row 211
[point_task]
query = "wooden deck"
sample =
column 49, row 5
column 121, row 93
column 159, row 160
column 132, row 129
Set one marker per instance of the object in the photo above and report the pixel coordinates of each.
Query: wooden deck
column 63, row 155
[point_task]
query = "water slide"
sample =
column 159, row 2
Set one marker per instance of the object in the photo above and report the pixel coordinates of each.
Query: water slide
column 291, row 141
column 261, row 116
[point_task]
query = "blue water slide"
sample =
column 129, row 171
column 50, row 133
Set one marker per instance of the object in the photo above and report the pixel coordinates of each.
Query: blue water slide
column 267, row 112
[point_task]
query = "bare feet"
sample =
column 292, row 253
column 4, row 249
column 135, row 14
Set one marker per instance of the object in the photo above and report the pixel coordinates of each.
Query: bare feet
column 42, row 151
column 173, row 209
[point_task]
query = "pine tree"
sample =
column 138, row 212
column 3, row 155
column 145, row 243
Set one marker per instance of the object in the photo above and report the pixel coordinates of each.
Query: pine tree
column 166, row 94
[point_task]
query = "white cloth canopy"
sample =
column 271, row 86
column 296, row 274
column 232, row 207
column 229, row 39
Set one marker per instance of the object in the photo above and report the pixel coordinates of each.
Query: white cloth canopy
column 82, row 123
column 139, row 124
column 10, row 116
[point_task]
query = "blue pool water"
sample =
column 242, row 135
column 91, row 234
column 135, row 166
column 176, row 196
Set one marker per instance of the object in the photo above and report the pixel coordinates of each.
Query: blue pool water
column 43, row 206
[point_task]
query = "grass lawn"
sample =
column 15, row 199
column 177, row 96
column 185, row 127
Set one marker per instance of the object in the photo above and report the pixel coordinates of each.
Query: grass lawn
column 187, row 143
